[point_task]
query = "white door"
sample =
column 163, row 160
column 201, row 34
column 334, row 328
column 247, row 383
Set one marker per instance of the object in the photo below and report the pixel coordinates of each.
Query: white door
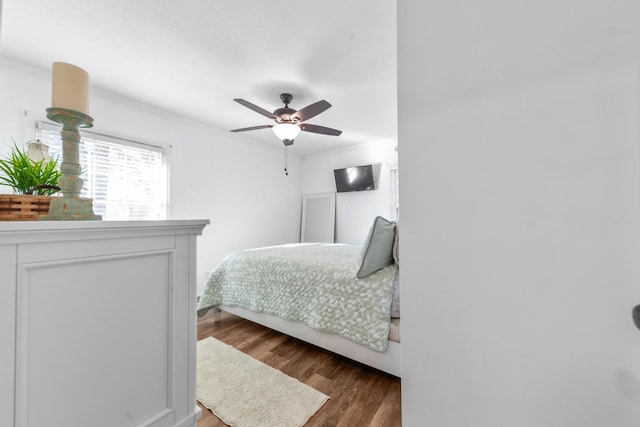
column 318, row 217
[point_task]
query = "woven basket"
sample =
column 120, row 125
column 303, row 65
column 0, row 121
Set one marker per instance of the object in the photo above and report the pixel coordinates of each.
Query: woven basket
column 20, row 207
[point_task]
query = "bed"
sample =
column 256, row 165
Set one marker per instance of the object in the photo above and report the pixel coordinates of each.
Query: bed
column 336, row 296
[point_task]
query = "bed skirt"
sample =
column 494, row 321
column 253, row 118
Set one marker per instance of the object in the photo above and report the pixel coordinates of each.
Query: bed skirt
column 389, row 361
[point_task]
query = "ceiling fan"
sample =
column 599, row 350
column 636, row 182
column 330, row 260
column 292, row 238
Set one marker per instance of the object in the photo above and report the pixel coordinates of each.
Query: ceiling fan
column 289, row 122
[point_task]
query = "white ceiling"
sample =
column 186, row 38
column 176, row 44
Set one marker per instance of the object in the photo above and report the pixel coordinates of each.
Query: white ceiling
column 193, row 57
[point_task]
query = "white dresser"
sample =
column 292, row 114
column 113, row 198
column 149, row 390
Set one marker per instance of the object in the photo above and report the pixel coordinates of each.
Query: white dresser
column 98, row 323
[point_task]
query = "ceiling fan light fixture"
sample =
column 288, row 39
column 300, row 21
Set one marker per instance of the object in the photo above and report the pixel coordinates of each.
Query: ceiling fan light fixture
column 286, row 131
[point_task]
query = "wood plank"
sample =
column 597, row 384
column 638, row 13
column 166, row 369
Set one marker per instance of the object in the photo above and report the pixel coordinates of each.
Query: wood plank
column 358, row 395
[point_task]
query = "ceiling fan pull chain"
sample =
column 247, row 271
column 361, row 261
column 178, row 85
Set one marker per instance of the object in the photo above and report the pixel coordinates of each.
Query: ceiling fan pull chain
column 286, row 172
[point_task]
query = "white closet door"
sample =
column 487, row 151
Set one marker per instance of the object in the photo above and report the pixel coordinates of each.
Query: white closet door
column 318, row 217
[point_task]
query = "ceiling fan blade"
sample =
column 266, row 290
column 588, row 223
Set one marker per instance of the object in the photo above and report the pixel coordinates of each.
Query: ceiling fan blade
column 320, row 129
column 251, row 128
column 255, row 108
column 311, row 110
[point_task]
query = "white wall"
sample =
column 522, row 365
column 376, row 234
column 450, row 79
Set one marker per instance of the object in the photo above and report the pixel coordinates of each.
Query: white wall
column 519, row 145
column 238, row 185
column 355, row 211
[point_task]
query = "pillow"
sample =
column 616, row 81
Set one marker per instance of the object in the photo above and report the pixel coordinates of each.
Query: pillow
column 377, row 251
column 396, row 245
column 395, row 301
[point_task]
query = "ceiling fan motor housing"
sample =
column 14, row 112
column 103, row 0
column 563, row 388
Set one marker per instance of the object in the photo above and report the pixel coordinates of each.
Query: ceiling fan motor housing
column 283, row 115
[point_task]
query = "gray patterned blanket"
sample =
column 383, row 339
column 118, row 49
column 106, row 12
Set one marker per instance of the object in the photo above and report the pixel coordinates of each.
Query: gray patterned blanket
column 311, row 283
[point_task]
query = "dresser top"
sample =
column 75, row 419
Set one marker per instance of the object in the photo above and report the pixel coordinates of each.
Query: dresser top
column 22, row 231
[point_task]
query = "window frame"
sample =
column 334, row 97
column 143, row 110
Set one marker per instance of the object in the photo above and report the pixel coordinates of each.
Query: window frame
column 394, row 185
column 157, row 211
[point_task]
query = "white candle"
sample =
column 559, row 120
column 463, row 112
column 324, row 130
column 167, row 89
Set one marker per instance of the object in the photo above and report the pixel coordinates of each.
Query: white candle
column 70, row 88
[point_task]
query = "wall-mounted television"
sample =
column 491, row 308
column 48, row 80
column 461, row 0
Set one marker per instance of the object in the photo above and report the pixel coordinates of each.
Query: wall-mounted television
column 354, row 178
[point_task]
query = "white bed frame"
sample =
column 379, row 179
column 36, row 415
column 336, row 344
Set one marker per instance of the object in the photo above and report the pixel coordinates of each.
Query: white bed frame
column 388, row 361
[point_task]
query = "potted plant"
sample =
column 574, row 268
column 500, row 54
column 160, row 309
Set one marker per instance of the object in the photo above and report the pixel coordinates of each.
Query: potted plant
column 33, row 182
column 27, row 176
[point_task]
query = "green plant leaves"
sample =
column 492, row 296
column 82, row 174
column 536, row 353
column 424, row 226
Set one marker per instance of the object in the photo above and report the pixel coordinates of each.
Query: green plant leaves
column 26, row 176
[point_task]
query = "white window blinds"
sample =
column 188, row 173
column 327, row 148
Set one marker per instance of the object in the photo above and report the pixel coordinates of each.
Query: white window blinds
column 127, row 180
column 394, row 179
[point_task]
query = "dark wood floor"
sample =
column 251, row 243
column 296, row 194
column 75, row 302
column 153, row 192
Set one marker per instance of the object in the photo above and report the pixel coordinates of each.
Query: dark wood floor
column 358, row 395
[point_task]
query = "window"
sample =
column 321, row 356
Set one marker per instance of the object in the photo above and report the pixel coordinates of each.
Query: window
column 395, row 193
column 127, row 180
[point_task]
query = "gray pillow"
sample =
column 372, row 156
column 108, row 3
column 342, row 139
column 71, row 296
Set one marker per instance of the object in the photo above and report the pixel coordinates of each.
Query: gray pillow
column 395, row 302
column 377, row 251
column 396, row 245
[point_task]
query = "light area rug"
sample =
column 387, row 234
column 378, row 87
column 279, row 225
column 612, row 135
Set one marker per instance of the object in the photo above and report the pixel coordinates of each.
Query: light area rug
column 244, row 392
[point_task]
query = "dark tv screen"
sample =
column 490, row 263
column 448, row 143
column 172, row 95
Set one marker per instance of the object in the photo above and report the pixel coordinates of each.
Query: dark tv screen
column 355, row 178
